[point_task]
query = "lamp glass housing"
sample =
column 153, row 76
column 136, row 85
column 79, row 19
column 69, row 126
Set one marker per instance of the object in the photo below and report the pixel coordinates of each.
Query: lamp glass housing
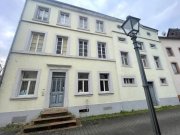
column 131, row 26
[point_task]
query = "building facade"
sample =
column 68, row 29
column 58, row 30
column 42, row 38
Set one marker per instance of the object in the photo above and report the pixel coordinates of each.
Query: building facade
column 171, row 46
column 66, row 56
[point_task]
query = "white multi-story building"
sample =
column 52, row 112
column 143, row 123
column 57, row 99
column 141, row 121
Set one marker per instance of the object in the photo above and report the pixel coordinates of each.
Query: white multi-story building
column 66, row 56
column 171, row 46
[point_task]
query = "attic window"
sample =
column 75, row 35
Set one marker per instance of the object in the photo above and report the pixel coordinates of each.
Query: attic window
column 121, row 39
column 148, row 33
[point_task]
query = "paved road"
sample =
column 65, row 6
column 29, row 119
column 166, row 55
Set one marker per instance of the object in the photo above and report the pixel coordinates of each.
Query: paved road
column 169, row 121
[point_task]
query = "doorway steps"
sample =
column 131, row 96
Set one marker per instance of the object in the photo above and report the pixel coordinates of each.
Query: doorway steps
column 55, row 118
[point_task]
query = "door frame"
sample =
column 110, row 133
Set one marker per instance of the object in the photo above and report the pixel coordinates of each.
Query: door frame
column 47, row 95
column 155, row 92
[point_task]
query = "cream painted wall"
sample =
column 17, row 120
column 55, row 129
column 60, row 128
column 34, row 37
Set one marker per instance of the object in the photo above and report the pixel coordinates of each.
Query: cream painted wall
column 20, row 58
column 174, row 44
column 129, row 93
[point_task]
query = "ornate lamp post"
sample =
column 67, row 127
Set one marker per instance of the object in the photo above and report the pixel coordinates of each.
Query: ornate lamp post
column 131, row 28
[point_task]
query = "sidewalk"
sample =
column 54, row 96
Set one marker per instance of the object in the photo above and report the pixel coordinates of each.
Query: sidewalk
column 139, row 124
column 169, row 121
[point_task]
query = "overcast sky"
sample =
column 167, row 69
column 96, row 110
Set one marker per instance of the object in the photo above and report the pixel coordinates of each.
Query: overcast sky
column 158, row 14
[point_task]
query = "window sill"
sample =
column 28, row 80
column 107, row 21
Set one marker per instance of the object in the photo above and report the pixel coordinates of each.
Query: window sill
column 34, row 19
column 63, row 25
column 159, row 68
column 23, row 98
column 102, row 58
column 84, row 94
column 105, row 93
column 100, row 32
column 83, row 29
column 164, row 84
column 129, row 85
column 127, row 66
column 147, row 68
column 142, row 51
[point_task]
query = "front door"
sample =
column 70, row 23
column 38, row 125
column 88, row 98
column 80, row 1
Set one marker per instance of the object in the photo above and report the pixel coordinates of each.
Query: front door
column 57, row 89
column 152, row 92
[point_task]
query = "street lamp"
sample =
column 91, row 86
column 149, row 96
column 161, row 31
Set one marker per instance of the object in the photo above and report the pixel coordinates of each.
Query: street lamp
column 131, row 28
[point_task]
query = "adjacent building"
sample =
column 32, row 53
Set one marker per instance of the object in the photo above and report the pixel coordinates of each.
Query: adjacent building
column 67, row 56
column 171, row 46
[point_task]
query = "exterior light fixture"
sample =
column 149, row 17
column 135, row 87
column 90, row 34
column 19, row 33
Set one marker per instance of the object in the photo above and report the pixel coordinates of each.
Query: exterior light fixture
column 131, row 28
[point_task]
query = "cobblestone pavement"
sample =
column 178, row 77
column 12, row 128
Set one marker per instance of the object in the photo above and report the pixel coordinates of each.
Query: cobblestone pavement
column 139, row 124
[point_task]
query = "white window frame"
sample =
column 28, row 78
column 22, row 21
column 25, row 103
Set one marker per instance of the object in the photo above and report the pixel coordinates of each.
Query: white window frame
column 110, row 83
column 37, row 12
column 90, row 91
column 104, row 80
column 163, row 84
column 83, row 40
column 169, row 52
column 158, row 62
column 127, row 57
column 146, row 59
column 58, row 36
column 84, row 24
column 31, row 38
column 101, row 52
column 148, row 33
column 17, row 84
column 29, row 80
column 142, row 46
column 129, row 85
column 66, row 19
column 176, row 68
column 153, row 47
column 98, row 26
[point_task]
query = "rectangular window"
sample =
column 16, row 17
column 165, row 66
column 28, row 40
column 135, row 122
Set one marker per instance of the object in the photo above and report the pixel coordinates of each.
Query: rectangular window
column 144, row 60
column 37, row 40
column 83, row 24
column 64, row 19
column 175, row 68
column 83, row 48
column 99, row 26
column 148, row 33
column 169, row 52
column 101, row 50
column 153, row 46
column 83, row 82
column 104, row 82
column 28, row 82
column 121, row 39
column 157, row 62
column 128, row 81
column 163, row 81
column 42, row 14
column 141, row 46
column 125, row 58
column 61, row 45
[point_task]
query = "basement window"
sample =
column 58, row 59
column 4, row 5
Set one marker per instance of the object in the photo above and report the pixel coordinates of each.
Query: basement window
column 121, row 39
column 163, row 81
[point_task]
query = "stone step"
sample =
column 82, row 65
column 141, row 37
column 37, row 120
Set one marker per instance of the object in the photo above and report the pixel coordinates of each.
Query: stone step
column 48, row 126
column 52, row 119
column 54, row 113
